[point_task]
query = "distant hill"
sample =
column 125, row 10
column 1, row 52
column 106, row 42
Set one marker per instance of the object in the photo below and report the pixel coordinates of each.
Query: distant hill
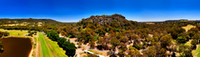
column 30, row 20
column 106, row 19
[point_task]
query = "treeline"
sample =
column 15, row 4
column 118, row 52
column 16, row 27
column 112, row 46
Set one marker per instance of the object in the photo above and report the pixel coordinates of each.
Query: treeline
column 63, row 43
column 1, row 44
column 30, row 20
column 31, row 24
column 3, row 34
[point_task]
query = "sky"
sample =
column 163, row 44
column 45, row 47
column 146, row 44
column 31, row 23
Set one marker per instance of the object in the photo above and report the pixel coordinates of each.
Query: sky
column 75, row 10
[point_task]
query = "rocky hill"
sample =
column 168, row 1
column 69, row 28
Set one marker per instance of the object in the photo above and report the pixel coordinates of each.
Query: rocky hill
column 106, row 19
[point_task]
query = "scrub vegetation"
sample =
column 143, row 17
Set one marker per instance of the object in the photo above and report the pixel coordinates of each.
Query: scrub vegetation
column 109, row 35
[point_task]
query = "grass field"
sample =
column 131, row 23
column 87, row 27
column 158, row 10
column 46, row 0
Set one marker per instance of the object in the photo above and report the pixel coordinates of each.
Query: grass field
column 57, row 51
column 16, row 32
column 50, row 48
column 45, row 50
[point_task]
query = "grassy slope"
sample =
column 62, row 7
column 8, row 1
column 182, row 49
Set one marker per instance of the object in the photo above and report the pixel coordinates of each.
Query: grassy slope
column 46, row 52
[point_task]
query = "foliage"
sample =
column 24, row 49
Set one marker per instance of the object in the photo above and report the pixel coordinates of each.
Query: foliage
column 53, row 35
column 69, row 47
column 66, row 45
column 3, row 34
column 166, row 40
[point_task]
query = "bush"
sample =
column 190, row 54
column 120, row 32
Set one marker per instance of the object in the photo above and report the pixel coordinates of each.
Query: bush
column 66, row 45
column 61, row 40
column 181, row 39
column 53, row 35
column 137, row 46
column 194, row 43
column 70, row 47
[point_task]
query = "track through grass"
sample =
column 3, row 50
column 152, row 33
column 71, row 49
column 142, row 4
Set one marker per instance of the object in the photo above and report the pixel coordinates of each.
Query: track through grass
column 46, row 52
column 50, row 48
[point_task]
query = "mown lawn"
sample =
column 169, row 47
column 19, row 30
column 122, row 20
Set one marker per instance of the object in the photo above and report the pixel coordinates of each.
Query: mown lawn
column 58, row 52
column 46, row 52
column 50, row 48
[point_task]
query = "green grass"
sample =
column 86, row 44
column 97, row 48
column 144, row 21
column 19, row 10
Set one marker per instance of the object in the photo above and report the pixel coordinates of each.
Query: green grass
column 50, row 48
column 46, row 52
column 58, row 52
column 196, row 52
column 16, row 32
column 84, row 56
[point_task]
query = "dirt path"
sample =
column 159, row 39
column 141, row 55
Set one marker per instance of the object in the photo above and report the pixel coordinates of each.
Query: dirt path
column 35, row 50
column 37, row 47
column 31, row 52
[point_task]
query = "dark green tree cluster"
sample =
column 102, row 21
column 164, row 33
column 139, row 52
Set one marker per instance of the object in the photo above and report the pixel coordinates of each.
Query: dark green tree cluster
column 63, row 43
column 31, row 33
column 3, row 34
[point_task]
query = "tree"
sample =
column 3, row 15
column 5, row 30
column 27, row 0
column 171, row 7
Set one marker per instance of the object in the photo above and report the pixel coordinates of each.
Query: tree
column 67, row 46
column 122, row 49
column 150, row 52
column 104, row 41
column 155, row 51
column 133, row 52
column 185, row 51
column 196, row 37
column 115, row 42
column 123, row 39
column 61, row 40
column 181, row 39
column 135, row 39
column 174, row 31
column 194, row 43
column 3, row 34
column 92, row 44
column 165, row 40
column 53, row 35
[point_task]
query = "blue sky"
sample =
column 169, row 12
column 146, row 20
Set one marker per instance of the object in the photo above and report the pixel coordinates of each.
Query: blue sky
column 75, row 10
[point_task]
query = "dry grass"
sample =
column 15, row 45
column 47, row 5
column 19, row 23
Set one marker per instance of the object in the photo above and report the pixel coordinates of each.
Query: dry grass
column 188, row 27
column 98, row 52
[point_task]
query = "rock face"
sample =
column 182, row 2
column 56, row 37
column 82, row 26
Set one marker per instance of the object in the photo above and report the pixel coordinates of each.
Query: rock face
column 106, row 19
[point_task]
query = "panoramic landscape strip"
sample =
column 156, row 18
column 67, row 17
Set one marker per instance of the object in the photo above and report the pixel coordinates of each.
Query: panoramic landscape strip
column 100, row 36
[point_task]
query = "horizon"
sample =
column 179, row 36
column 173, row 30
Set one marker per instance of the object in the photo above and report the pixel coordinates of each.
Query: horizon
column 74, row 11
column 99, row 15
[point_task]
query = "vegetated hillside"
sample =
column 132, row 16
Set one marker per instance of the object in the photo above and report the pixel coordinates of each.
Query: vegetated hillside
column 30, row 20
column 31, row 24
column 115, row 21
column 154, row 39
column 106, row 19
